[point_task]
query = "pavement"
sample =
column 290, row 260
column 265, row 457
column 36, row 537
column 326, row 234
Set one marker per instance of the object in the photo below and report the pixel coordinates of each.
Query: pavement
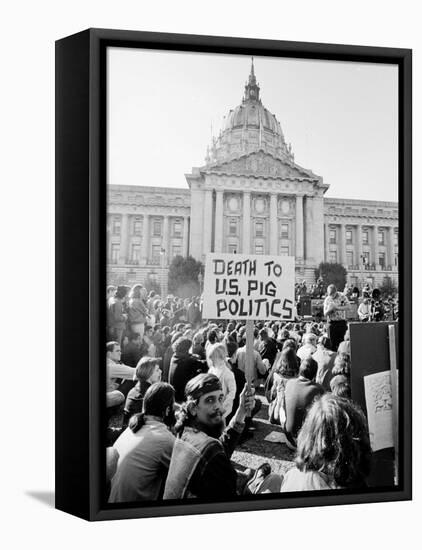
column 266, row 445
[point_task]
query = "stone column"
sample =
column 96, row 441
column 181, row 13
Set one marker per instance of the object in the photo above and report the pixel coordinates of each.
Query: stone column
column 342, row 244
column 375, row 246
column 359, row 245
column 309, row 229
column 185, row 236
column 246, row 222
column 273, row 225
column 196, row 228
column 299, row 227
column 207, row 222
column 327, row 242
column 124, row 234
column 165, row 239
column 317, row 239
column 145, row 239
column 390, row 246
column 218, row 222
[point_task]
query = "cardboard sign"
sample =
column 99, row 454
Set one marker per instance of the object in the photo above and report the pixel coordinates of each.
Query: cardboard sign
column 238, row 286
column 372, row 388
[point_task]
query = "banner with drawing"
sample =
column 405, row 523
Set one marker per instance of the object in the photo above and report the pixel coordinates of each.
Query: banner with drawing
column 249, row 287
column 379, row 404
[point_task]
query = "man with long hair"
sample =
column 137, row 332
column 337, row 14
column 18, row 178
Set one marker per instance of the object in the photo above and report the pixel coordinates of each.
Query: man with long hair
column 200, row 464
column 144, row 448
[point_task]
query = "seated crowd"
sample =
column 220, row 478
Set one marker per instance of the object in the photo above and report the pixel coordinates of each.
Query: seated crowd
column 178, row 403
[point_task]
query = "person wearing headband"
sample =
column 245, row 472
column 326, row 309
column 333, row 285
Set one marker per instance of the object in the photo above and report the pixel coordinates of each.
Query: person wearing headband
column 200, row 463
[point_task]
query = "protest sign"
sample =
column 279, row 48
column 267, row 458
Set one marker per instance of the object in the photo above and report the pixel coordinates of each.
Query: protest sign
column 248, row 287
column 373, row 349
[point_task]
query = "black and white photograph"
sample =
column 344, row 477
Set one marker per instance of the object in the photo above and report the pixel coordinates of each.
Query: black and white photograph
column 252, row 277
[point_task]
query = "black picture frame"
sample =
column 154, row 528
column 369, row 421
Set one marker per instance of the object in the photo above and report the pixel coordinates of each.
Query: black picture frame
column 80, row 266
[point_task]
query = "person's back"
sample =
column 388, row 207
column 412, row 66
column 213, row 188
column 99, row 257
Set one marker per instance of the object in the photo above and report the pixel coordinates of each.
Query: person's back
column 299, row 395
column 259, row 367
column 268, row 350
column 145, row 449
column 141, row 473
column 131, row 353
column 325, row 358
column 182, row 369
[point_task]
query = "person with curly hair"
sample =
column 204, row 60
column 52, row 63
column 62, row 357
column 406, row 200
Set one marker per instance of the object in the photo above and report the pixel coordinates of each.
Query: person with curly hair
column 333, row 448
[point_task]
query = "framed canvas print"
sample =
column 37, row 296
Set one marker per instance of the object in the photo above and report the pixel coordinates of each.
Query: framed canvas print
column 234, row 269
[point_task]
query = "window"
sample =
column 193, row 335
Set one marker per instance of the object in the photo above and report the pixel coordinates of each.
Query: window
column 365, row 236
column 365, row 258
column 349, row 258
column 396, row 259
column 259, row 229
column 137, row 226
column 381, row 236
column 176, row 251
column 333, row 236
column 284, row 231
column 284, row 251
column 177, row 229
column 156, row 228
column 156, row 251
column 259, row 249
column 381, row 259
column 349, row 237
column 333, row 256
column 117, row 224
column 136, row 253
column 233, row 227
column 396, row 238
column 232, row 249
column 115, row 249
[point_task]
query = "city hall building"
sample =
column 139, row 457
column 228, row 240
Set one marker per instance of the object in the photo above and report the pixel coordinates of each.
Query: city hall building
column 249, row 197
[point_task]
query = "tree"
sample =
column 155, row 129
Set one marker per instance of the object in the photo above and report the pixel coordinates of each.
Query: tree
column 183, row 276
column 332, row 274
column 388, row 287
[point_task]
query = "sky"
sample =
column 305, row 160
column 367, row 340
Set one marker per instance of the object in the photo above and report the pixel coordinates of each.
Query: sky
column 341, row 118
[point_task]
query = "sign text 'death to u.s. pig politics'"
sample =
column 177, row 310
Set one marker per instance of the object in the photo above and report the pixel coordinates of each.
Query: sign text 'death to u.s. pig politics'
column 240, row 286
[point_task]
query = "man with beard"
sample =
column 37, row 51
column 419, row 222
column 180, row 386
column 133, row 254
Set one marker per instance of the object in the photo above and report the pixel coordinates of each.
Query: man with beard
column 144, row 449
column 200, row 463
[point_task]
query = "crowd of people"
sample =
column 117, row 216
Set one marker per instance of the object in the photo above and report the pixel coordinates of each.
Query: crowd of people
column 371, row 304
column 179, row 400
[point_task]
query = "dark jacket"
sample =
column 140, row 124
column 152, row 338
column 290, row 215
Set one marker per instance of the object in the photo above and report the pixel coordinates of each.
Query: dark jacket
column 182, row 369
column 200, row 465
column 131, row 354
column 268, row 350
column 135, row 399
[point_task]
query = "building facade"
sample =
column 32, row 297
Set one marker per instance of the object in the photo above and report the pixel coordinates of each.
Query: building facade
column 249, row 197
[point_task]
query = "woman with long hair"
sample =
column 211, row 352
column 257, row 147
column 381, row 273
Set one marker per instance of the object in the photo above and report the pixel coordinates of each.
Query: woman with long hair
column 333, row 448
column 284, row 368
column 137, row 309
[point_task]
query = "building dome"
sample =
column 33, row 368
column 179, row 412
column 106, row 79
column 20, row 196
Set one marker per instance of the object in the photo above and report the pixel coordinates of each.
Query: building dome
column 247, row 128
